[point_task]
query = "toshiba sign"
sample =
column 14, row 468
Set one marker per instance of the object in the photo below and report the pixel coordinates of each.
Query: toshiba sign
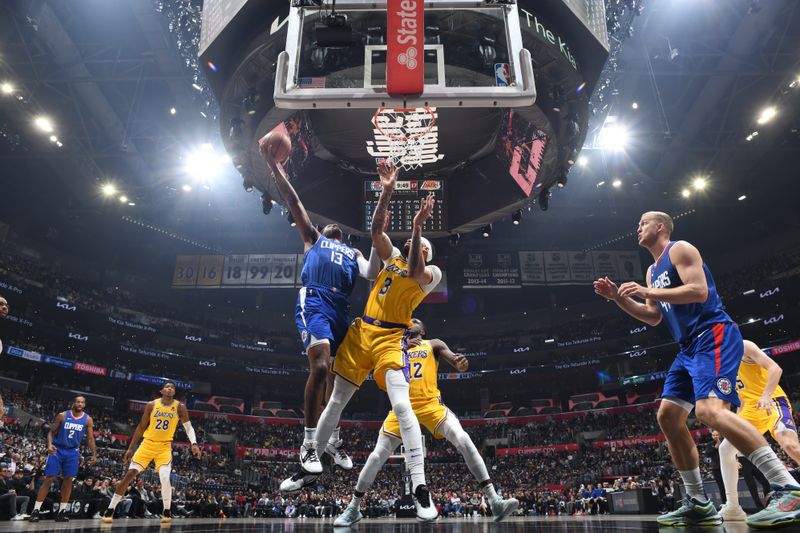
column 405, row 29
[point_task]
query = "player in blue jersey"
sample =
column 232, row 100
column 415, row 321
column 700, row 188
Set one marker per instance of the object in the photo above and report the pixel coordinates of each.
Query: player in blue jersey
column 322, row 313
column 63, row 446
column 681, row 292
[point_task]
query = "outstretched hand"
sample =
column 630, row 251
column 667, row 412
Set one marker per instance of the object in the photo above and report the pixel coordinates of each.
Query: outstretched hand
column 425, row 210
column 606, row 288
column 388, row 173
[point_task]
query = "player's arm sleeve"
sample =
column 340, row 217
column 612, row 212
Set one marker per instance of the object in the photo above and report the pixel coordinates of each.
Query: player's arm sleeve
column 369, row 269
column 187, row 426
column 436, row 278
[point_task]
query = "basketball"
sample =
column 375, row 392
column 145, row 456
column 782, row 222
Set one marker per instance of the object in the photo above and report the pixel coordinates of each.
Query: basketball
column 277, row 145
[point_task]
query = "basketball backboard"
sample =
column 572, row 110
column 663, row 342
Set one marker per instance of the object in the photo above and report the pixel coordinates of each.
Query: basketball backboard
column 472, row 56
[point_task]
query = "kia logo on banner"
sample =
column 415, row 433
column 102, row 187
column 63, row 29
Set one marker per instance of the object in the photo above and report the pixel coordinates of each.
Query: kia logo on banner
column 517, row 371
column 634, row 331
column 773, row 320
column 65, row 305
column 405, row 30
column 207, row 363
column 522, row 349
column 639, row 353
column 78, row 337
column 767, row 294
column 193, row 338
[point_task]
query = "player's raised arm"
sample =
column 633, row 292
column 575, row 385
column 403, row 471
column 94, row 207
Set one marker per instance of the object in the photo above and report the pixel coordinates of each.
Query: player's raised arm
column 754, row 354
column 416, row 265
column 380, row 218
column 90, row 439
column 54, row 427
column 689, row 265
column 456, row 360
column 307, row 230
column 140, row 429
column 646, row 312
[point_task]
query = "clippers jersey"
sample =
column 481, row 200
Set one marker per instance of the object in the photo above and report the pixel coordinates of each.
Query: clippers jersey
column 423, row 373
column 686, row 321
column 71, row 432
column 751, row 382
column 330, row 265
column 163, row 422
column 395, row 295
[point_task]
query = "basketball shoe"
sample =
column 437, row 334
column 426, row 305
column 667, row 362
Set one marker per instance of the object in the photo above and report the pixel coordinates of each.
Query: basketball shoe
column 502, row 508
column 350, row 516
column 309, row 459
column 783, row 507
column 732, row 514
column 426, row 510
column 693, row 512
column 166, row 516
column 340, row 457
column 297, row 482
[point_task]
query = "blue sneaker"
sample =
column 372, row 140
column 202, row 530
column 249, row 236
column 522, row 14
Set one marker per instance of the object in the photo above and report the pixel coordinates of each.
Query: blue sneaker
column 693, row 512
column 783, row 508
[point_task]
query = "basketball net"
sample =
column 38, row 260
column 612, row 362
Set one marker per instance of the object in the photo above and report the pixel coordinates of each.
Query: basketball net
column 404, row 133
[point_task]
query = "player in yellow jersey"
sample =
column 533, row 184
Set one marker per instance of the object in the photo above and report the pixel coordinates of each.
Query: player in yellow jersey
column 378, row 341
column 426, row 400
column 157, row 428
column 765, row 405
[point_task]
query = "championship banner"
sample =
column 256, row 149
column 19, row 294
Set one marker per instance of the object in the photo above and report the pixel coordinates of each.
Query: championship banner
column 605, row 264
column 491, row 271
column 405, row 59
column 237, row 271
column 531, row 266
column 556, row 265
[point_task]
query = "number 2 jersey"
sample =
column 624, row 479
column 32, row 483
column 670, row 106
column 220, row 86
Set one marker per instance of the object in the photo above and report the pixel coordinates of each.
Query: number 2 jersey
column 71, row 432
column 163, row 422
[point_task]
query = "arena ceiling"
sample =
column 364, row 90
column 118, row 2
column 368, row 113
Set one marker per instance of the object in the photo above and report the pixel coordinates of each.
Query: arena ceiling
column 107, row 75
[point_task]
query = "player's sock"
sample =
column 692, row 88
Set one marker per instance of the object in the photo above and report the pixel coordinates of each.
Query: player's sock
column 356, row 501
column 383, row 449
column 329, row 419
column 693, row 484
column 166, row 486
column 334, row 436
column 730, row 473
column 487, row 487
column 57, row 506
column 773, row 469
column 308, row 436
column 37, row 506
column 397, row 388
column 114, row 501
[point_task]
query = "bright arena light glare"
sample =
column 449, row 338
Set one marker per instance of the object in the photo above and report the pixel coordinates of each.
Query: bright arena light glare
column 6, row 88
column 743, row 197
column 686, row 193
column 123, row 199
column 172, row 110
column 187, row 188
column 767, row 114
column 44, row 124
column 635, row 105
column 108, row 189
column 613, row 137
column 53, row 139
column 699, row 183
column 583, row 161
column 616, row 184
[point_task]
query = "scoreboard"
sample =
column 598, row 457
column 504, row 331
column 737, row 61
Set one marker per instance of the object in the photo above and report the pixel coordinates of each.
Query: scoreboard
column 405, row 203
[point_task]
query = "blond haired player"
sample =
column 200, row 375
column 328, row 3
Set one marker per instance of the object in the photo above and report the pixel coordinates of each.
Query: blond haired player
column 157, row 428
column 426, row 400
column 766, row 406
column 377, row 341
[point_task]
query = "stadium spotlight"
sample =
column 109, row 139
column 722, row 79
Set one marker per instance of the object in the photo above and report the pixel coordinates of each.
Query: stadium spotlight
column 486, row 230
column 172, row 111
column 186, row 187
column 743, row 197
column 583, row 161
column 686, row 193
column 544, row 199
column 123, row 199
column 44, row 124
column 699, row 183
column 635, row 105
column 6, row 88
column 108, row 189
column 266, row 203
column 613, row 137
column 204, row 163
column 767, row 114
column 292, row 223
column 516, row 217
column 558, row 98
column 454, row 238
column 617, row 183
column 53, row 139
column 561, row 181
column 250, row 101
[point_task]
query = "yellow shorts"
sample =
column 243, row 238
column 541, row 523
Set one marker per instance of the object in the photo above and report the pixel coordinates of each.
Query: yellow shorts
column 430, row 413
column 367, row 348
column 781, row 418
column 160, row 453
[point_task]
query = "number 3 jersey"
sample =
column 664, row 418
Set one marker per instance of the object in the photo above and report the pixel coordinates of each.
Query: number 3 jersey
column 163, row 422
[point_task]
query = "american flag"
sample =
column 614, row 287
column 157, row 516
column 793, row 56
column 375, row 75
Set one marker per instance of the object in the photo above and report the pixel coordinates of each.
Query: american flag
column 312, row 83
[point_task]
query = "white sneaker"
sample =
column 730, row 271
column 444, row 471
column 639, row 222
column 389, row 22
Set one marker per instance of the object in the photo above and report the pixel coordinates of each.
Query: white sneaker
column 502, row 508
column 309, row 459
column 340, row 457
column 297, row 482
column 18, row 517
column 350, row 516
column 732, row 514
column 426, row 510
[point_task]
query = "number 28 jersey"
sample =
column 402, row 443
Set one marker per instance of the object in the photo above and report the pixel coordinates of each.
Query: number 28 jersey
column 163, row 422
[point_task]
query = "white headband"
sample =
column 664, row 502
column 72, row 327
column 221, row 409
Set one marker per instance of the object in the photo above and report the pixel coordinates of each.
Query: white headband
column 426, row 242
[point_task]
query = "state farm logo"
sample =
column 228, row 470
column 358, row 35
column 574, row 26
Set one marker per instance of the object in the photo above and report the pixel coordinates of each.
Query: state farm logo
column 407, row 33
column 408, row 58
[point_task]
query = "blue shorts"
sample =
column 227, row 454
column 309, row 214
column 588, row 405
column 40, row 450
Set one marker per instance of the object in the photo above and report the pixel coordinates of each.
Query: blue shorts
column 707, row 367
column 321, row 314
column 64, row 463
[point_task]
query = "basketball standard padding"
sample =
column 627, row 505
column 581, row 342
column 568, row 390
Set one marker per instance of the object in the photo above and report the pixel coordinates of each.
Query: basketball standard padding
column 276, row 145
column 405, row 48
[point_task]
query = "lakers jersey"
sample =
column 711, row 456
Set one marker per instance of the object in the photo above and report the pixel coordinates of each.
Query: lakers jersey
column 163, row 422
column 423, row 373
column 395, row 295
column 751, row 382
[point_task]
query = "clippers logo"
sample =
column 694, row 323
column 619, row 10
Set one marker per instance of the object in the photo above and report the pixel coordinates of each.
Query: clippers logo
column 408, row 58
column 724, row 385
